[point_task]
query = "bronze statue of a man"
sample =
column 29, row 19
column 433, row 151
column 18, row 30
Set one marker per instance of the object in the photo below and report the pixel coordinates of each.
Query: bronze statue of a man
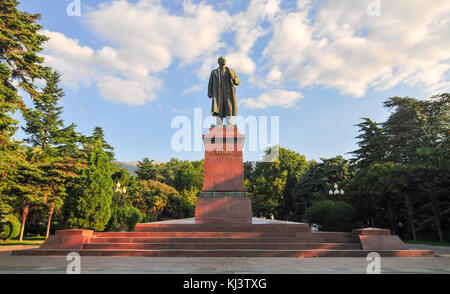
column 222, row 91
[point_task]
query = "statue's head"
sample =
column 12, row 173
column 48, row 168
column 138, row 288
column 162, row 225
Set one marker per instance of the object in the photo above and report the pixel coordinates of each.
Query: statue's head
column 222, row 60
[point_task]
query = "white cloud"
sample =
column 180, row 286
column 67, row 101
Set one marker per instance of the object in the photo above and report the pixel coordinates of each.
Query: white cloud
column 131, row 92
column 281, row 98
column 146, row 33
column 195, row 88
column 240, row 62
column 70, row 58
column 248, row 29
column 342, row 47
column 81, row 65
column 145, row 38
column 335, row 45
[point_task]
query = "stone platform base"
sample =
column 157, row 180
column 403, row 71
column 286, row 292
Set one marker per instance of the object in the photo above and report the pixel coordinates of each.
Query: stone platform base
column 223, row 210
column 260, row 238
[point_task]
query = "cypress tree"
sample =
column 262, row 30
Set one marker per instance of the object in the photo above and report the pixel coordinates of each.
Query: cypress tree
column 92, row 209
column 98, row 134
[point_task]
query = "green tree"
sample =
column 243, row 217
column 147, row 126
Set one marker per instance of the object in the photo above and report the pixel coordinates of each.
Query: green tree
column 314, row 184
column 146, row 170
column 188, row 175
column 271, row 184
column 20, row 64
column 51, row 139
column 376, row 192
column 265, row 187
column 98, row 134
column 372, row 144
column 295, row 165
column 155, row 198
column 94, row 193
column 25, row 186
column 44, row 124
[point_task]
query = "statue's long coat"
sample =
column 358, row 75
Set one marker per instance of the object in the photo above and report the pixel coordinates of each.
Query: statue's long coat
column 223, row 95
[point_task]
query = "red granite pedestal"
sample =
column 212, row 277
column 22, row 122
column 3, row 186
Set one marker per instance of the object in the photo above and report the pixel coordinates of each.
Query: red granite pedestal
column 223, row 199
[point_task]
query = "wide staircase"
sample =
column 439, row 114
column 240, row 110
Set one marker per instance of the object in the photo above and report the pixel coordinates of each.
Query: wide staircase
column 194, row 240
column 185, row 238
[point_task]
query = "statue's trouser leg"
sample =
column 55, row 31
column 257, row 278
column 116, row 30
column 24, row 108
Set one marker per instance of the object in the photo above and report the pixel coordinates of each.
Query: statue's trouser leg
column 229, row 120
column 219, row 121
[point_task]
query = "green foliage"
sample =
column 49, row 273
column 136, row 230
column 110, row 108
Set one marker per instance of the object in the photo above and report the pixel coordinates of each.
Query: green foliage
column 98, row 134
column 402, row 167
column 25, row 186
column 19, row 63
column 318, row 179
column 146, row 170
column 176, row 173
column 94, row 193
column 374, row 188
column 270, row 184
column 265, row 186
column 153, row 197
column 372, row 144
column 334, row 216
column 124, row 218
column 295, row 165
column 9, row 227
column 188, row 200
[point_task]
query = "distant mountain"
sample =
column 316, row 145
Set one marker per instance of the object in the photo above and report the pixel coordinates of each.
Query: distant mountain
column 131, row 166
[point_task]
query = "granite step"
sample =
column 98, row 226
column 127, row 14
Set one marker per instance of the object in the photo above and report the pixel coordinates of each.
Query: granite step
column 220, row 240
column 226, row 253
column 155, row 227
column 220, row 234
column 210, row 246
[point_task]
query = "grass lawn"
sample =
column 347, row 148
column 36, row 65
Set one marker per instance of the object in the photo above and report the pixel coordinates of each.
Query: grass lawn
column 25, row 241
column 432, row 243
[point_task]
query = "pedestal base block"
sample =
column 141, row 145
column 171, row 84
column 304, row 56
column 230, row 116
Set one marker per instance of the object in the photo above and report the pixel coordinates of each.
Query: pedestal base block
column 223, row 211
column 68, row 239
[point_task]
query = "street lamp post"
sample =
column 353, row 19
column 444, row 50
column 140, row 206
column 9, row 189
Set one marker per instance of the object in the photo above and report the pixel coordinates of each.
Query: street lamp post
column 336, row 191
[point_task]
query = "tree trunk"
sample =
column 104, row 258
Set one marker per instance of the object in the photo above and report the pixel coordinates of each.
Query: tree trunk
column 391, row 215
column 24, row 218
column 436, row 212
column 410, row 212
column 52, row 206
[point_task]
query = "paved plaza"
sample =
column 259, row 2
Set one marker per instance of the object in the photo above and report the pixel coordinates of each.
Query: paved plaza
column 235, row 265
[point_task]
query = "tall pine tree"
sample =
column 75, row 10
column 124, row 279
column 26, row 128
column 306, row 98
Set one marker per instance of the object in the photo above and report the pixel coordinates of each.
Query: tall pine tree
column 372, row 144
column 20, row 65
column 50, row 139
column 44, row 124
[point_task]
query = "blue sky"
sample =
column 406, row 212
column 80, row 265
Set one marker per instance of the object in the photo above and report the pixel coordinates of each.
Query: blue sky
column 132, row 66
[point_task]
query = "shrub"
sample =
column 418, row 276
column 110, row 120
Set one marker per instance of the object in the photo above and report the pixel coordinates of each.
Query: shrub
column 9, row 227
column 124, row 218
column 335, row 216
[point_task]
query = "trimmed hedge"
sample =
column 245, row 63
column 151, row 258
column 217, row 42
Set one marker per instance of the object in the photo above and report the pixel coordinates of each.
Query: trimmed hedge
column 332, row 216
column 9, row 227
column 124, row 218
